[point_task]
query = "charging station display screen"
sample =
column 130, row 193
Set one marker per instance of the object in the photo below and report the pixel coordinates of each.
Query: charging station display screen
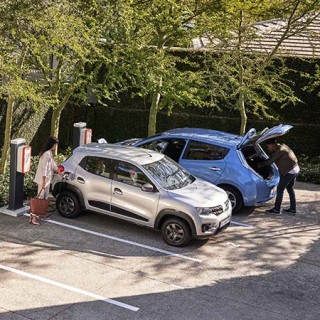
column 24, row 159
column 85, row 136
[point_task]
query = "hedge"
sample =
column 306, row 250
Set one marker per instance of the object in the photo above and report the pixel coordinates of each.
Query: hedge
column 115, row 124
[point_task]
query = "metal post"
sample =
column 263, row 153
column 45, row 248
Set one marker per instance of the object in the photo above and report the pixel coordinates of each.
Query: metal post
column 77, row 127
column 16, row 178
column 15, row 207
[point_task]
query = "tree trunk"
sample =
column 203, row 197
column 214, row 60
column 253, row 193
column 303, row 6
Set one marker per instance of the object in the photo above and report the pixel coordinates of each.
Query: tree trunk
column 152, row 125
column 243, row 114
column 56, row 114
column 55, row 121
column 9, row 117
column 7, row 135
column 241, row 101
column 241, row 98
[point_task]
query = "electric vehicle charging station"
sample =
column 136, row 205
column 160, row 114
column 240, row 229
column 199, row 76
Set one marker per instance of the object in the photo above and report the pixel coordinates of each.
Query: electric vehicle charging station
column 81, row 134
column 20, row 164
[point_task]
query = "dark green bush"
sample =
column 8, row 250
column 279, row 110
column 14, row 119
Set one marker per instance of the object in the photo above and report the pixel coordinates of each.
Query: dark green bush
column 310, row 169
column 4, row 188
column 119, row 124
column 30, row 188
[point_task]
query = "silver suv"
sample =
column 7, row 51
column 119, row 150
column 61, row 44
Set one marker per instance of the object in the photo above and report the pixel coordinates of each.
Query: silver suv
column 144, row 187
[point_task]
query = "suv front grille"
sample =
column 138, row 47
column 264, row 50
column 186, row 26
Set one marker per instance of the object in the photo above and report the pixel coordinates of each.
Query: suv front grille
column 216, row 210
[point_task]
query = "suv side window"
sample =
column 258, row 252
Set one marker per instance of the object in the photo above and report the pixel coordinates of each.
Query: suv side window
column 203, row 151
column 128, row 173
column 98, row 166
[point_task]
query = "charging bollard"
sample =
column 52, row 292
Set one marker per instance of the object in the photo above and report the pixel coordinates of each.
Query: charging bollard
column 77, row 127
column 81, row 134
column 20, row 162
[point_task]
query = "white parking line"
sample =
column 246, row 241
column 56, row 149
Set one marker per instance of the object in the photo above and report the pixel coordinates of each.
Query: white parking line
column 242, row 224
column 70, row 288
column 133, row 243
column 105, row 254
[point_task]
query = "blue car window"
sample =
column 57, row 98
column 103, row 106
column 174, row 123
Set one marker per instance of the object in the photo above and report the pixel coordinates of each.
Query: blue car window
column 157, row 145
column 204, row 151
column 170, row 147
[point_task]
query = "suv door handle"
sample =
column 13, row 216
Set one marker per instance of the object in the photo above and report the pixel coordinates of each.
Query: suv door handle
column 117, row 191
column 214, row 168
column 81, row 180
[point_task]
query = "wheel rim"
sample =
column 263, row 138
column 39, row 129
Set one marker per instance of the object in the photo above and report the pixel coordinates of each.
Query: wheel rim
column 232, row 199
column 66, row 205
column 174, row 232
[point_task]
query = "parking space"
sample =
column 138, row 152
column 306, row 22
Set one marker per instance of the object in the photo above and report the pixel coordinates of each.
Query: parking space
column 97, row 267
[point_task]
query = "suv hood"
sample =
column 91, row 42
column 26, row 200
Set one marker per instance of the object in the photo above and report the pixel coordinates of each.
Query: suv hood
column 254, row 137
column 200, row 194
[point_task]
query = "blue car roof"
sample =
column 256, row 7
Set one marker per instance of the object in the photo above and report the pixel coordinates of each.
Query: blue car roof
column 206, row 135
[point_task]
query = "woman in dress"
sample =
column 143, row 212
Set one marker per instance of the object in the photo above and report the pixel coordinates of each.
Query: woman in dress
column 44, row 172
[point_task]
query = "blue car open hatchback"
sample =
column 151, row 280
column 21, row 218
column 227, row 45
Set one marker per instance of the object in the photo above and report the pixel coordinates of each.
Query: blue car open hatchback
column 227, row 160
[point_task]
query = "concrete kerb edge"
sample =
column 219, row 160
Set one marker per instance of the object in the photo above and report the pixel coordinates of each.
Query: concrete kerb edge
column 15, row 213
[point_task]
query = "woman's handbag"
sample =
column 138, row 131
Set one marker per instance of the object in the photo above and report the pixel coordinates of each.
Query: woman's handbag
column 39, row 206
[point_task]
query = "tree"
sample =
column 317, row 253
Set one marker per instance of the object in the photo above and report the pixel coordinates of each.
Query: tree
column 160, row 72
column 66, row 45
column 237, row 70
column 15, row 63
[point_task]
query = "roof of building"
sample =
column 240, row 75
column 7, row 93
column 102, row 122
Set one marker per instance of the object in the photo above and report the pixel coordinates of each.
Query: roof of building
column 303, row 41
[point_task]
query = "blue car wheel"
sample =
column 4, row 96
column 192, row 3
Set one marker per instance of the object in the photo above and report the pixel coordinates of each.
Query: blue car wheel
column 235, row 197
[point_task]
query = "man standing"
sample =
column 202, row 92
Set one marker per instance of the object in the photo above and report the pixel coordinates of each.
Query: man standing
column 287, row 163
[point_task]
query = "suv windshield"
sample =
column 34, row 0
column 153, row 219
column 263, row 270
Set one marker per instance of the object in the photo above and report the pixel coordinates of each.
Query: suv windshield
column 169, row 174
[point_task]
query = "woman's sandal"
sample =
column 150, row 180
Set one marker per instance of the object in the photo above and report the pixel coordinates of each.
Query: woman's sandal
column 33, row 219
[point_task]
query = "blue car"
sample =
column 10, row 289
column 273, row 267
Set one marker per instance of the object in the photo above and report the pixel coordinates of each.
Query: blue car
column 226, row 160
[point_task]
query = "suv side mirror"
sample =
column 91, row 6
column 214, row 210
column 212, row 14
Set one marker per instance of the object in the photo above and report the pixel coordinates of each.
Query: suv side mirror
column 147, row 187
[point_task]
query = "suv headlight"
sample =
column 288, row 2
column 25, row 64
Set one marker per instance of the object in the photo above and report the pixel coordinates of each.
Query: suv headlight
column 211, row 210
column 204, row 211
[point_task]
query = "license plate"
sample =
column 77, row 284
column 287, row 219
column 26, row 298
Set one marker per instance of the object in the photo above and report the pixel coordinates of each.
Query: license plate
column 224, row 222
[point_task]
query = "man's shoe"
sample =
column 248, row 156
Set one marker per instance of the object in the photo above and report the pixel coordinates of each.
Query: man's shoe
column 289, row 211
column 272, row 211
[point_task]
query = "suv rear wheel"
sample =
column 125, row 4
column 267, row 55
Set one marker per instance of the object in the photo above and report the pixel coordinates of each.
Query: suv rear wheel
column 68, row 205
column 235, row 198
column 176, row 232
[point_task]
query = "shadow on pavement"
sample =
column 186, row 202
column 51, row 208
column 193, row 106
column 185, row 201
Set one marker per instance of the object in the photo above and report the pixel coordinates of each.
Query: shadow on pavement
column 287, row 293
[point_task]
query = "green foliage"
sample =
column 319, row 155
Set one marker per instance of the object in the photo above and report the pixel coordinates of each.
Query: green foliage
column 310, row 169
column 16, row 22
column 4, row 188
column 16, row 64
column 272, row 85
column 254, row 80
column 157, row 28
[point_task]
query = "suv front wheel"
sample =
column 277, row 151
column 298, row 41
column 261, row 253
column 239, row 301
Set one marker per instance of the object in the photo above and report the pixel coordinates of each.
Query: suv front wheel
column 176, row 232
column 68, row 205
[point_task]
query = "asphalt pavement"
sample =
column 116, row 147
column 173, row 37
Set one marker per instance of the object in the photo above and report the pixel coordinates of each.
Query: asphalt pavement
column 97, row 267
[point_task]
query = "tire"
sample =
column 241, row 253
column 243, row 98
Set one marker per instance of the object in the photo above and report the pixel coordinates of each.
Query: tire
column 68, row 205
column 176, row 232
column 235, row 198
